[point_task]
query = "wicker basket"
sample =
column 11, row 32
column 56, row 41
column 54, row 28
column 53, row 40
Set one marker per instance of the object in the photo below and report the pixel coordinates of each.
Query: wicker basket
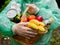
column 26, row 41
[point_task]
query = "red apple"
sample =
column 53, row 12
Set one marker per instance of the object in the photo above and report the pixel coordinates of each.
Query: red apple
column 30, row 17
column 39, row 18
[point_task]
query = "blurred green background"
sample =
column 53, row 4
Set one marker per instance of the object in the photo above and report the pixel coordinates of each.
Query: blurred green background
column 55, row 40
column 3, row 3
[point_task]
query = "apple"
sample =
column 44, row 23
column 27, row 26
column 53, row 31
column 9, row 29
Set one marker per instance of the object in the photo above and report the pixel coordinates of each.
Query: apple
column 39, row 18
column 30, row 17
column 25, row 20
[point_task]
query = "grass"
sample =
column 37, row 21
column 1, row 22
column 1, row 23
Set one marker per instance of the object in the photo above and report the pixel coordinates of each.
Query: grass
column 55, row 40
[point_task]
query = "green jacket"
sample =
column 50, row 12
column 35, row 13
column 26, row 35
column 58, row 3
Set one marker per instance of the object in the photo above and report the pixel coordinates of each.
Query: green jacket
column 48, row 8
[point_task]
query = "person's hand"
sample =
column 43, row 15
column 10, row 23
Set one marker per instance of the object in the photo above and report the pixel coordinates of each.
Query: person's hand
column 22, row 30
column 33, row 9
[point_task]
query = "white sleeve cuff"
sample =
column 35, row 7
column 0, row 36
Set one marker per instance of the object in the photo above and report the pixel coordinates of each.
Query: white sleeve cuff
column 14, row 29
column 37, row 10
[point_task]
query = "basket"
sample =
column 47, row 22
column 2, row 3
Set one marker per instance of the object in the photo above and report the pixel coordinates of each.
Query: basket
column 26, row 41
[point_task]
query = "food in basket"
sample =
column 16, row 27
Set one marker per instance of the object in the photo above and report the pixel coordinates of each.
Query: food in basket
column 38, row 24
column 33, row 26
column 17, row 19
column 40, row 27
column 30, row 17
column 25, row 20
column 39, row 18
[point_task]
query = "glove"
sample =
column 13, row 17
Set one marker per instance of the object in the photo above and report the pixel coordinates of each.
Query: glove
column 33, row 9
column 22, row 30
column 16, row 6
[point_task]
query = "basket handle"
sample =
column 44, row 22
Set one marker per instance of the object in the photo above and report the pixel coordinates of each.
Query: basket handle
column 24, row 14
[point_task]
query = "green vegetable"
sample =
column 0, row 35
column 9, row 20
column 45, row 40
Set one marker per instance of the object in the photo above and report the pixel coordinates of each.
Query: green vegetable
column 17, row 18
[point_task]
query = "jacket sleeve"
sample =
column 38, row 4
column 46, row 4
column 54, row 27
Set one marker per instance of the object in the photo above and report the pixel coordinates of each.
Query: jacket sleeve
column 50, row 3
column 5, row 24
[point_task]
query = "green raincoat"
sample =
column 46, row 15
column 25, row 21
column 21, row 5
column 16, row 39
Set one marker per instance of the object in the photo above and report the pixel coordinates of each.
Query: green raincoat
column 48, row 8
